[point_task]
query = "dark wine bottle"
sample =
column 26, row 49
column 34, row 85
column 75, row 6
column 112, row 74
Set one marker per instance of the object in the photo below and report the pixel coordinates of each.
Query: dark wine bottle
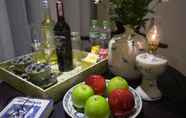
column 63, row 40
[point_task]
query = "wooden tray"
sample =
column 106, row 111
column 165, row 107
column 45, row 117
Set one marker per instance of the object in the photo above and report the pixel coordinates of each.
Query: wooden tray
column 65, row 80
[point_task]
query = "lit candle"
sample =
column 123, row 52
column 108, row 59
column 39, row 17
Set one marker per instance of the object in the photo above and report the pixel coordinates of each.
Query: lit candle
column 153, row 37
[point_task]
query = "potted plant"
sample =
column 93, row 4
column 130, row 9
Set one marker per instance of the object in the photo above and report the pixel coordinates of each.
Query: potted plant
column 133, row 13
column 130, row 17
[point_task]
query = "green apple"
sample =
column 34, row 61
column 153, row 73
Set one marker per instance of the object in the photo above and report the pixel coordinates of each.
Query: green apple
column 97, row 107
column 80, row 94
column 115, row 83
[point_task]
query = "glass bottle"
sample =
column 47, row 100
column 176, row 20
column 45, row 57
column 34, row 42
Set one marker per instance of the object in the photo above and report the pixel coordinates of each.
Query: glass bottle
column 94, row 33
column 63, row 40
column 38, row 54
column 107, row 29
column 48, row 44
column 76, row 40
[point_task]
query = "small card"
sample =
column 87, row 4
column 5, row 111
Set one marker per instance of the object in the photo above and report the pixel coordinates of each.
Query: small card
column 23, row 107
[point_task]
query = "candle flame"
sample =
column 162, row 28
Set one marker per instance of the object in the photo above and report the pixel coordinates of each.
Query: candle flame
column 154, row 35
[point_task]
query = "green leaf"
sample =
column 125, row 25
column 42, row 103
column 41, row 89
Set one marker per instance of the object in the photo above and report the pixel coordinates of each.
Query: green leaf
column 132, row 12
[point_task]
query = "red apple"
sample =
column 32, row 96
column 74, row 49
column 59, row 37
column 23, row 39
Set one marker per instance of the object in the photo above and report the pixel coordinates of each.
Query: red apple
column 121, row 102
column 97, row 82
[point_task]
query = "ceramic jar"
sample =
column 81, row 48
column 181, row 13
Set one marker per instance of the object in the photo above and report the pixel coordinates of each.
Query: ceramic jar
column 123, row 50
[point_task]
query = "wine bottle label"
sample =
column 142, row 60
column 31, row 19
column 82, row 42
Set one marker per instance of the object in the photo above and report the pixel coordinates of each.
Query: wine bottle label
column 64, row 53
column 60, row 41
column 93, row 34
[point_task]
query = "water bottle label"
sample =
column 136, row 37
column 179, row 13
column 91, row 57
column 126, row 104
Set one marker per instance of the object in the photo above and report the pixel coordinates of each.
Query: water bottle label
column 103, row 36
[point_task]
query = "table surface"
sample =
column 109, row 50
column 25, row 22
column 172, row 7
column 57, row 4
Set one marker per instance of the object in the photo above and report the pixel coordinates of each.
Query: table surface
column 172, row 105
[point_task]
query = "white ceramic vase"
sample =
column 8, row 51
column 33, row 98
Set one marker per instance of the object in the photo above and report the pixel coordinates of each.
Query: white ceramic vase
column 123, row 50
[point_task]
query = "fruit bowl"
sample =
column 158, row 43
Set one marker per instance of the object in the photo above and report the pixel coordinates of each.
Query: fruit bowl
column 72, row 112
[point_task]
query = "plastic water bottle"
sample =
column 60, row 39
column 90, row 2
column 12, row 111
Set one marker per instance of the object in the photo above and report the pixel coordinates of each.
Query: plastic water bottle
column 105, row 34
column 76, row 40
column 94, row 33
column 107, row 28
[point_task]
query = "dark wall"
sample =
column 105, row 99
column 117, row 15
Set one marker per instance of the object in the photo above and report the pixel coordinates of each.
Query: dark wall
column 173, row 22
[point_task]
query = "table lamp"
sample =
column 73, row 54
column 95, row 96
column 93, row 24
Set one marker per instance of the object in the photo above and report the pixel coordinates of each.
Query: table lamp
column 151, row 65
